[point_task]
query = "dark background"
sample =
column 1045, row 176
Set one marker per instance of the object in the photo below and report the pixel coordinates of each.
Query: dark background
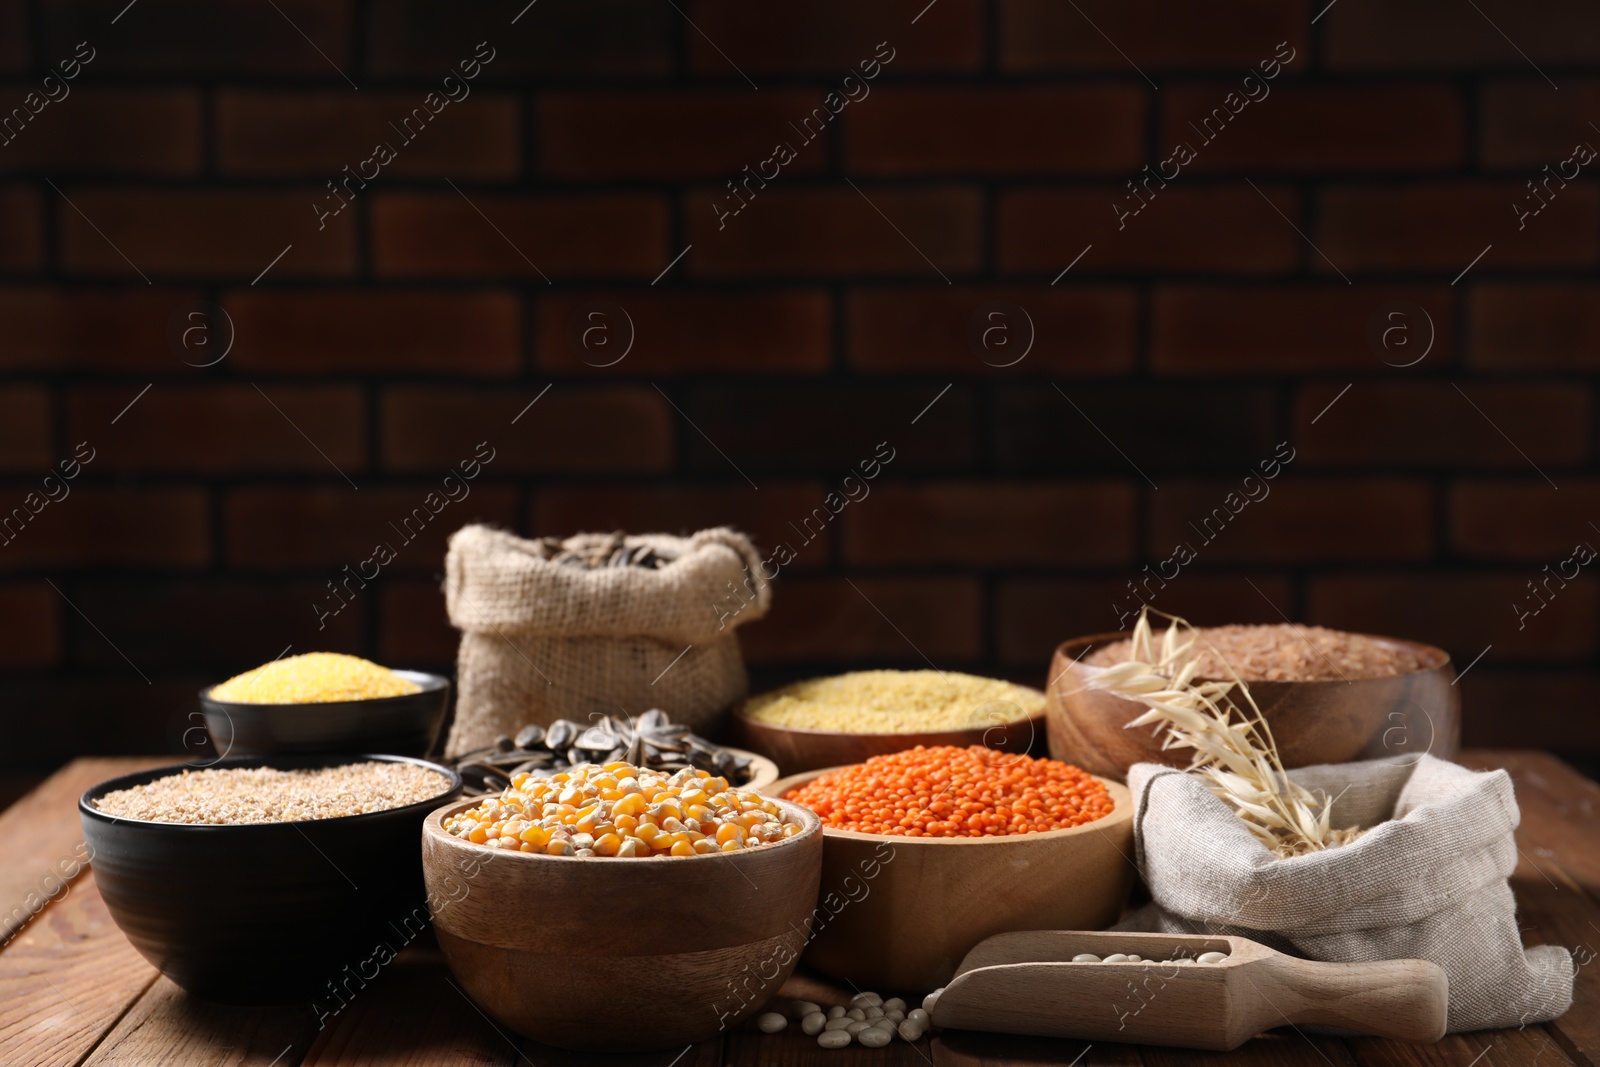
column 1176, row 353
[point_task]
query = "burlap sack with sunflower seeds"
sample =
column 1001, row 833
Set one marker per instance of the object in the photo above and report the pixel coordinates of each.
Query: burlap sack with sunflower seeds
column 541, row 641
column 1428, row 880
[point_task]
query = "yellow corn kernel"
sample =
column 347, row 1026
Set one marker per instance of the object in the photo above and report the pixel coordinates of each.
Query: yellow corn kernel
column 607, row 845
column 478, row 836
column 629, row 804
column 733, row 846
column 704, row 845
column 537, row 836
column 626, row 822
column 729, row 832
column 646, row 832
column 698, row 812
column 682, row 848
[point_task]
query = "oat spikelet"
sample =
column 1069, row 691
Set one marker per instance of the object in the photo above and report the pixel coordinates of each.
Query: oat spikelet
column 1233, row 748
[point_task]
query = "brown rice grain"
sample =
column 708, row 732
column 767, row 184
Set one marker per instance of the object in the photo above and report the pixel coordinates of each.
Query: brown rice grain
column 1283, row 652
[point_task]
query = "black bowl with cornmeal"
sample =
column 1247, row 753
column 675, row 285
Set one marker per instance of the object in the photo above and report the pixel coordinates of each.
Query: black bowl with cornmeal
column 406, row 724
column 262, row 913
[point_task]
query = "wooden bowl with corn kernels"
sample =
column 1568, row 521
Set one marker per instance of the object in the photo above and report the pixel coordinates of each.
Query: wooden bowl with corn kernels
column 602, row 953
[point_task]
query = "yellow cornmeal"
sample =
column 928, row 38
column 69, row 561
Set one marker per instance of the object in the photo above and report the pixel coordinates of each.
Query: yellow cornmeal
column 895, row 702
column 314, row 678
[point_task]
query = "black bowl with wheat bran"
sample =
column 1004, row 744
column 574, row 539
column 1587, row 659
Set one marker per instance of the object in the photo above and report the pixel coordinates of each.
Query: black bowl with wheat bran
column 263, row 886
column 1328, row 696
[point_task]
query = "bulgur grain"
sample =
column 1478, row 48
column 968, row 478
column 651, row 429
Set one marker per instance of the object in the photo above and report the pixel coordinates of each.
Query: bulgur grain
column 228, row 796
column 895, row 702
column 1284, row 653
column 313, row 678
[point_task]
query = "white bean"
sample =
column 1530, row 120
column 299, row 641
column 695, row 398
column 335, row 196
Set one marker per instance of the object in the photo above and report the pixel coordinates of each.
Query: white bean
column 1213, row 957
column 875, row 1012
column 1116, row 957
column 919, row 1017
column 873, row 1037
column 812, row 1024
column 885, row 1023
column 861, row 1000
column 895, row 1016
column 1134, row 957
column 856, row 1026
column 833, row 1039
column 801, row 1008
column 928, row 1001
column 910, row 1030
column 1086, row 957
column 893, row 1004
column 771, row 1023
column 837, row 1024
column 836, row 1012
column 856, row 1013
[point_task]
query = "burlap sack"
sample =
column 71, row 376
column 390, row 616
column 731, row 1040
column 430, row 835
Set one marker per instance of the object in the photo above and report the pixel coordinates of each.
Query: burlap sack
column 541, row 642
column 1427, row 881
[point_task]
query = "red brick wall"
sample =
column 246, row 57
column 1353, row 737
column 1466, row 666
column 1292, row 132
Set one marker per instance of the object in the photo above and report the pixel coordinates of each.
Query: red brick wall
column 375, row 347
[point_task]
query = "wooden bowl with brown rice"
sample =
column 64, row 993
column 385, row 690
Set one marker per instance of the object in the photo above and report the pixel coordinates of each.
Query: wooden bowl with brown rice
column 1328, row 696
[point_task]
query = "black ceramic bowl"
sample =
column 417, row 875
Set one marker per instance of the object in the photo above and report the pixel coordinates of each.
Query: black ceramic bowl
column 404, row 724
column 263, row 913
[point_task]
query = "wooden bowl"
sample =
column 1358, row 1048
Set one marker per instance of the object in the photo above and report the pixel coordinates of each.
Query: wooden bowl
column 900, row 913
column 798, row 750
column 1312, row 722
column 621, row 955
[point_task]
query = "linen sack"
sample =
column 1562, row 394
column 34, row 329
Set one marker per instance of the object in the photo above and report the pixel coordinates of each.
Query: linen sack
column 543, row 641
column 1428, row 880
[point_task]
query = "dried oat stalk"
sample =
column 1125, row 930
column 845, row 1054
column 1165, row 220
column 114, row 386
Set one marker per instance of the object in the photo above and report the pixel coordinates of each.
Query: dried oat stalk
column 1233, row 749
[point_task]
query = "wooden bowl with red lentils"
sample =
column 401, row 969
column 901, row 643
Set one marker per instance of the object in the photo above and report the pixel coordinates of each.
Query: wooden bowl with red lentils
column 1328, row 696
column 930, row 850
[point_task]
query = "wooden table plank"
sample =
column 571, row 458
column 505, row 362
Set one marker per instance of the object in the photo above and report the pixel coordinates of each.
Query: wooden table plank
column 1280, row 1048
column 964, row 1049
column 1560, row 811
column 167, row 1026
column 1484, row 1048
column 412, row 1015
column 65, row 981
column 41, row 841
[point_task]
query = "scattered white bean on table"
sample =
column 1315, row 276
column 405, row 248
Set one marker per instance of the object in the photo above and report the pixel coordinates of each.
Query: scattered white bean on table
column 812, row 1024
column 874, row 1037
column 833, row 1039
column 836, row 1012
column 801, row 1008
column 771, row 1023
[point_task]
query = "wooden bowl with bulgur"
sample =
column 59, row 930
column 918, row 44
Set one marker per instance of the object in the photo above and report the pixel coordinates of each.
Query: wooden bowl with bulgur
column 1328, row 696
column 846, row 718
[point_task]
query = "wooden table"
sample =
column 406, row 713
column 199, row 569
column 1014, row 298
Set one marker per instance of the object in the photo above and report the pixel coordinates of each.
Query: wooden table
column 73, row 991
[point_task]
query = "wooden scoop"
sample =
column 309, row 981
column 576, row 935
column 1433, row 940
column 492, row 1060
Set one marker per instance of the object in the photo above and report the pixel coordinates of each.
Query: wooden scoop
column 1022, row 983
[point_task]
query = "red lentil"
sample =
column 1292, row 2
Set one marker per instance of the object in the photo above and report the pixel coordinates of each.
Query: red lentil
column 949, row 791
